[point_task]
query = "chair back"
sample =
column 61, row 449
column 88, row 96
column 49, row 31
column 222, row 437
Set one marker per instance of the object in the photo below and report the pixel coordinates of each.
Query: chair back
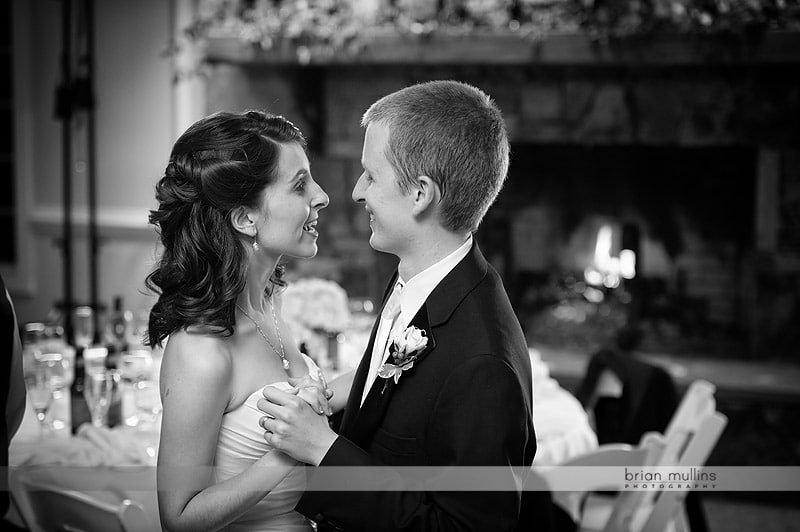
column 650, row 448
column 687, row 443
column 695, row 406
column 690, row 437
column 58, row 509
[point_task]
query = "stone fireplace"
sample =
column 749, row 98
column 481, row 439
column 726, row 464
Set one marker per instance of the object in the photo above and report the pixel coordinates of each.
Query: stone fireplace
column 692, row 165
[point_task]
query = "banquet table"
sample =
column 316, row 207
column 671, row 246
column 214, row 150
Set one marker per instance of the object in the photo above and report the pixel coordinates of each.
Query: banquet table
column 118, row 463
column 111, row 464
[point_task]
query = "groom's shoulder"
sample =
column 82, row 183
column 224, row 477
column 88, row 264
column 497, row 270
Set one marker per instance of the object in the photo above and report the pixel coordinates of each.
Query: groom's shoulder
column 490, row 294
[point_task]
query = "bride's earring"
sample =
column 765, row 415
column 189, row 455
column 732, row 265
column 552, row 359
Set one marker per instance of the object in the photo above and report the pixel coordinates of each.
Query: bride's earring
column 255, row 242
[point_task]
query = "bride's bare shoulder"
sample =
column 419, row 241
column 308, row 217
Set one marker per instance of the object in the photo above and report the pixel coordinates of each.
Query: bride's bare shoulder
column 197, row 352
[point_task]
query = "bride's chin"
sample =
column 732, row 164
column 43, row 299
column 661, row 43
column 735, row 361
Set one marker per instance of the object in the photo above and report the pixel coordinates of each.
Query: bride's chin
column 306, row 255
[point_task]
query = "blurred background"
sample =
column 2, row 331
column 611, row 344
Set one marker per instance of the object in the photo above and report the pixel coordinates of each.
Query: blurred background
column 652, row 205
column 653, row 194
column 654, row 177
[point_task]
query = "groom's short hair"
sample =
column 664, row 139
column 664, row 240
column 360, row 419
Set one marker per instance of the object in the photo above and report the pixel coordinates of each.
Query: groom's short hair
column 453, row 133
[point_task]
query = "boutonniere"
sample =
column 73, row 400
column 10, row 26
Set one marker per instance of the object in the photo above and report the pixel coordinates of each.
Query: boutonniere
column 404, row 350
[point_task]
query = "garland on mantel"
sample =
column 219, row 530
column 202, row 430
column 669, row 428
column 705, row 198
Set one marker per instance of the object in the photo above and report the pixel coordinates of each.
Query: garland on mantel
column 325, row 27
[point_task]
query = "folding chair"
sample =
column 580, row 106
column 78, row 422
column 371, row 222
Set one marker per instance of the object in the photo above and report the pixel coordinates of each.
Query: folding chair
column 58, row 509
column 689, row 439
column 609, row 512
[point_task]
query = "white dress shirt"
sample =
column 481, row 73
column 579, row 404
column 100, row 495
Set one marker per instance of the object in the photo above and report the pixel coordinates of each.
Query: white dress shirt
column 413, row 295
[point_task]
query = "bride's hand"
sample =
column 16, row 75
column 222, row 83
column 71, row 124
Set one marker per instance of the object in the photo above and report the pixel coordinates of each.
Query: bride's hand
column 314, row 392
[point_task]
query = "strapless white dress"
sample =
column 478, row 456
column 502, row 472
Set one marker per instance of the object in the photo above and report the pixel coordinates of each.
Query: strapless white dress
column 241, row 442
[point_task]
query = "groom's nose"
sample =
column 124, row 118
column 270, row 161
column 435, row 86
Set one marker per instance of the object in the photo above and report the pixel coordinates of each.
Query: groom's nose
column 358, row 190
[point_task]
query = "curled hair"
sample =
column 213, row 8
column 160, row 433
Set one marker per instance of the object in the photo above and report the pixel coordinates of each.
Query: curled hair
column 221, row 162
column 453, row 133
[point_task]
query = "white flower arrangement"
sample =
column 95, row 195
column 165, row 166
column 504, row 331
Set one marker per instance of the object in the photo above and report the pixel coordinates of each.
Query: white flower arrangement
column 316, row 305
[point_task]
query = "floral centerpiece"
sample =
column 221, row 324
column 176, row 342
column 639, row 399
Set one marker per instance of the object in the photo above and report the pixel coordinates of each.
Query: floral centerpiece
column 316, row 310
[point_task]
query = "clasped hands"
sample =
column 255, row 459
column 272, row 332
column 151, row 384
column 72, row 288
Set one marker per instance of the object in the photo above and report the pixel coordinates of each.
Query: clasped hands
column 296, row 422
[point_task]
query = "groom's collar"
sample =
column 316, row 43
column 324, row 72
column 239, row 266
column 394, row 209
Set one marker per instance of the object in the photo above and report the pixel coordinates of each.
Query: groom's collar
column 417, row 289
column 444, row 299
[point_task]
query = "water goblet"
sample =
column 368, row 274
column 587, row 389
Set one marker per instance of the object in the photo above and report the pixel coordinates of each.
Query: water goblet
column 40, row 392
column 98, row 389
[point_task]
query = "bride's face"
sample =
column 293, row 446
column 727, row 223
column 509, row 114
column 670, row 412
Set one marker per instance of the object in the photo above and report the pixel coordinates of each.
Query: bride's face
column 291, row 207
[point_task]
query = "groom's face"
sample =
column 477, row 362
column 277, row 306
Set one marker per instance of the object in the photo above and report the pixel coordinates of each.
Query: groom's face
column 389, row 208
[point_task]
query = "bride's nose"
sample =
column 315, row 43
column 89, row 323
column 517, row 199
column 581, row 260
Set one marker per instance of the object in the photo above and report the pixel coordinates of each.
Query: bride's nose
column 321, row 199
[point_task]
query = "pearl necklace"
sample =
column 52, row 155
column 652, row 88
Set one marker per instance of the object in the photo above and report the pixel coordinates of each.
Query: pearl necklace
column 282, row 352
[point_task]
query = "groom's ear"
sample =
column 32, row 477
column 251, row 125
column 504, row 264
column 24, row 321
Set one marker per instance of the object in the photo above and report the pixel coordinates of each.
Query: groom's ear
column 243, row 220
column 426, row 195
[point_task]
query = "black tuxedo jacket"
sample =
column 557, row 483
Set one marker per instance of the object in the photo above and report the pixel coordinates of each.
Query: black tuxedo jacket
column 7, row 333
column 466, row 402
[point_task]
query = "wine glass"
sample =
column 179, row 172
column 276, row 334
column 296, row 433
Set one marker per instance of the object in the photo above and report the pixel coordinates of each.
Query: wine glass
column 83, row 324
column 40, row 391
column 98, row 389
column 61, row 374
column 135, row 366
column 61, row 371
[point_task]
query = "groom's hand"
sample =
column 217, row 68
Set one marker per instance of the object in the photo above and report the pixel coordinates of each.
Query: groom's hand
column 293, row 427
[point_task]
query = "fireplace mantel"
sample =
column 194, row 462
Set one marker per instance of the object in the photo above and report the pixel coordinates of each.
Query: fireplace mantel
column 514, row 49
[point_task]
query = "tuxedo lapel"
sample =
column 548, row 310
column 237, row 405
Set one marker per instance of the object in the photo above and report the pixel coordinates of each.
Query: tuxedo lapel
column 380, row 394
column 360, row 378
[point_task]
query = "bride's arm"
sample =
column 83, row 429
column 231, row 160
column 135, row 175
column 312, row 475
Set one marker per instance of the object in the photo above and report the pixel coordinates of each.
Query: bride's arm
column 195, row 390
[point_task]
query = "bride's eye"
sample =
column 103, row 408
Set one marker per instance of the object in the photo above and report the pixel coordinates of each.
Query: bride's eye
column 300, row 186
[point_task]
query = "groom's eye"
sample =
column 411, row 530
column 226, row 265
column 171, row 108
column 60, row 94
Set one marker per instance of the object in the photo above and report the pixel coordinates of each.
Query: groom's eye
column 300, row 186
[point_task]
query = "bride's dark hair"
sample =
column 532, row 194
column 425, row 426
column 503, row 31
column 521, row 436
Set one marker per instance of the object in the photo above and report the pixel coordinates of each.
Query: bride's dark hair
column 221, row 162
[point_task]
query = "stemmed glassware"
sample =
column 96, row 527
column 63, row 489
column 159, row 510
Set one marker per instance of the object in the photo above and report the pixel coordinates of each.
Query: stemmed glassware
column 135, row 366
column 98, row 389
column 83, row 324
column 40, row 390
column 61, row 373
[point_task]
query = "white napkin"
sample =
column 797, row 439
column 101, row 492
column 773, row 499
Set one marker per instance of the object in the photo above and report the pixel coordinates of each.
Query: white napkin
column 91, row 446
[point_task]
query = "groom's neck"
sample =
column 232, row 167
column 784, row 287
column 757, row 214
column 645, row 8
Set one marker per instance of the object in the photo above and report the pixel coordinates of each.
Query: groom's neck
column 427, row 250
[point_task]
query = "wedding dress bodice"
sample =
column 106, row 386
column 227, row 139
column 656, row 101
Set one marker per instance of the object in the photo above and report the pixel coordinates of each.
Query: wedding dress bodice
column 241, row 442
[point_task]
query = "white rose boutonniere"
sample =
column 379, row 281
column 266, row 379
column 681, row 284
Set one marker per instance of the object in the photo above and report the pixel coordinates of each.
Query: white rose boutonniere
column 404, row 350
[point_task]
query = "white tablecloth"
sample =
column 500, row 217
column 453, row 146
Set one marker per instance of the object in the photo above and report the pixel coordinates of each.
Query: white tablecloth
column 562, row 426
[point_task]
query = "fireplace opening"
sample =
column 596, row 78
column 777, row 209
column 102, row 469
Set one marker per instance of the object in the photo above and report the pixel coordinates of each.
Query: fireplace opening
column 679, row 220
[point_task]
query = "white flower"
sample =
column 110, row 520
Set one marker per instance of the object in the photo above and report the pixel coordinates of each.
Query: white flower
column 317, row 304
column 406, row 348
column 408, row 342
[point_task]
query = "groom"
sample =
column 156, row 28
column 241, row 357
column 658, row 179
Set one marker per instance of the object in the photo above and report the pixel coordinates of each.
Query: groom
column 435, row 157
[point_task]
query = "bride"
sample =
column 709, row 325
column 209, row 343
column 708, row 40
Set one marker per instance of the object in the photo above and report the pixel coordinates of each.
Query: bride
column 236, row 196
